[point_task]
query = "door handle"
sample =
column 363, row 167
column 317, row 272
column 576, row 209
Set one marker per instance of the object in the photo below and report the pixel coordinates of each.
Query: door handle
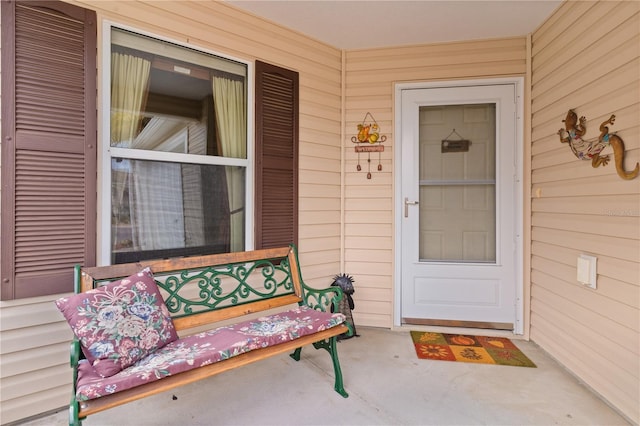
column 406, row 206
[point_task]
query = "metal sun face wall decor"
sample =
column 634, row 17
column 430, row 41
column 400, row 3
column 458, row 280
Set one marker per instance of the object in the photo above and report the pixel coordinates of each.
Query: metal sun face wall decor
column 590, row 149
column 369, row 140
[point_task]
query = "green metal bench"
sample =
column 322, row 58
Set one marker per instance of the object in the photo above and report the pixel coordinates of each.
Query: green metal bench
column 203, row 292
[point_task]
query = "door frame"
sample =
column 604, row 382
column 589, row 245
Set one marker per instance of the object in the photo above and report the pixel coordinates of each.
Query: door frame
column 518, row 82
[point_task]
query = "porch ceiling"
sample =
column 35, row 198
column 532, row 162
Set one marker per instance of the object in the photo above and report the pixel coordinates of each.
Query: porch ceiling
column 367, row 24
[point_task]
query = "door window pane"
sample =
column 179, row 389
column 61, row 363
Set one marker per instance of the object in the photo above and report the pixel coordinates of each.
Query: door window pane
column 457, row 183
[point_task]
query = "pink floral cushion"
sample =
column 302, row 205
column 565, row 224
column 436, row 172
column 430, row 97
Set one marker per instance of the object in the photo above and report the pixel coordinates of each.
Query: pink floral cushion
column 119, row 323
column 206, row 348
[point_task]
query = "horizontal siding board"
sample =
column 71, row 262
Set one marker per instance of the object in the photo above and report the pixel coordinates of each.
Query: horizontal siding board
column 313, row 177
column 317, row 203
column 18, row 340
column 318, row 217
column 308, row 121
column 464, row 55
column 318, row 190
column 369, row 268
column 627, row 205
column 365, row 242
column 317, row 164
column 363, row 229
column 35, row 359
column 614, row 226
column 319, row 151
column 608, row 183
column 570, row 292
column 371, row 255
column 623, row 275
column 371, row 319
column 379, row 216
column 378, row 191
column 33, row 314
column 318, row 244
column 320, row 257
column 621, row 248
column 365, row 292
column 442, row 72
column 377, row 57
column 312, row 231
column 13, row 387
column 45, row 401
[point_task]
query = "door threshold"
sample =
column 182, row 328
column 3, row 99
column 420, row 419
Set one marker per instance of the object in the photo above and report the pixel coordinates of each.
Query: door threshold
column 458, row 324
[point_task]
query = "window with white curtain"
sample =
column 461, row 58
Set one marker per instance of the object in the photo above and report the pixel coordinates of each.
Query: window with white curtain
column 177, row 150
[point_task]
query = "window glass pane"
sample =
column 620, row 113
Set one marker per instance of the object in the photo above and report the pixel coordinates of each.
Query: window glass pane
column 170, row 98
column 161, row 209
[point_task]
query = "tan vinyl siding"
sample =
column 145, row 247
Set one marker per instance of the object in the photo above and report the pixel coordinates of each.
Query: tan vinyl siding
column 34, row 354
column 34, row 358
column 587, row 57
column 370, row 77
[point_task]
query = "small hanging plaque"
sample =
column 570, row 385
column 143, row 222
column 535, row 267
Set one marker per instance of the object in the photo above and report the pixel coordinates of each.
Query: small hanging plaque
column 455, row 145
column 460, row 145
column 370, row 148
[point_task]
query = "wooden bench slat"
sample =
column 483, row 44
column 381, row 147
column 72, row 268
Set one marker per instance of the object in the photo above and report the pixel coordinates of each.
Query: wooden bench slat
column 177, row 264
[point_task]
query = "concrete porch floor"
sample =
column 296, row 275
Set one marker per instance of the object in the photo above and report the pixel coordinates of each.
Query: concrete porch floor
column 387, row 385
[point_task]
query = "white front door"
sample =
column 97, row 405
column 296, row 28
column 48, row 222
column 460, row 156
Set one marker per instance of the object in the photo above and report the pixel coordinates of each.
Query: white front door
column 458, row 205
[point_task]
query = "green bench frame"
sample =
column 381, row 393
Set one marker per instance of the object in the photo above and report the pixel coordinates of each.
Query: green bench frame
column 280, row 284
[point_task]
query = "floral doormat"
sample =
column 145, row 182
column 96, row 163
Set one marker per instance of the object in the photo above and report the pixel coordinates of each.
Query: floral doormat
column 464, row 348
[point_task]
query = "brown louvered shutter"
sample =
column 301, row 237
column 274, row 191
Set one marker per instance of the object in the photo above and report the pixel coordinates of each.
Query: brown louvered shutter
column 276, row 156
column 48, row 146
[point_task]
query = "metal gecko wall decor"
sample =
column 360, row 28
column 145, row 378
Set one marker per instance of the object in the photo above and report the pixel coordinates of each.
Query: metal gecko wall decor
column 573, row 133
column 369, row 140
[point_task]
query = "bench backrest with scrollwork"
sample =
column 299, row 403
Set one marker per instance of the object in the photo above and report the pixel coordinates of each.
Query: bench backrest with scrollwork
column 201, row 290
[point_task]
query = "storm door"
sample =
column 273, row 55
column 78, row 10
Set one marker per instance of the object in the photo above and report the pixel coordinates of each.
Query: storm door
column 458, row 206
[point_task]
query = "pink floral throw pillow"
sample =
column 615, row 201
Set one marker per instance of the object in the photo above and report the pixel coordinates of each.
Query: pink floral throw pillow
column 119, row 323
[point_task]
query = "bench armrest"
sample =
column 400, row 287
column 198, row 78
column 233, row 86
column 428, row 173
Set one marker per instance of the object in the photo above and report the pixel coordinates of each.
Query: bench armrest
column 326, row 300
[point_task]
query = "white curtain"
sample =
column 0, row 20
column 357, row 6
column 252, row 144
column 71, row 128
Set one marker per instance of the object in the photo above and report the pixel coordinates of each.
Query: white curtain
column 231, row 120
column 129, row 86
column 157, row 208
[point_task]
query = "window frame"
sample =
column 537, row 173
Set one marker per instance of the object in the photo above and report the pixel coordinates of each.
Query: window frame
column 107, row 152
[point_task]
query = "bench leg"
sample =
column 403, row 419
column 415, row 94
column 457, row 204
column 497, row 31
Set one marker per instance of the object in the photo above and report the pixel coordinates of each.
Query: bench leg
column 331, row 347
column 74, row 420
column 296, row 354
column 333, row 350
